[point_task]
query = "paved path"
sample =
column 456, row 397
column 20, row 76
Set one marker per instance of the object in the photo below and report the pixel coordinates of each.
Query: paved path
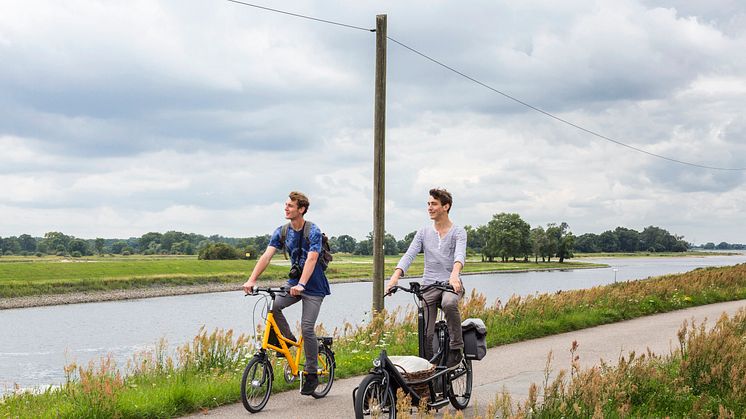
column 513, row 366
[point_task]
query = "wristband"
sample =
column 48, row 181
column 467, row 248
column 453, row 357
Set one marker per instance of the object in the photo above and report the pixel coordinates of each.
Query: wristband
column 302, row 285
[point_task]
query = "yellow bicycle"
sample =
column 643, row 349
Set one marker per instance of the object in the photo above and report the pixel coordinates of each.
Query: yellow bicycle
column 256, row 383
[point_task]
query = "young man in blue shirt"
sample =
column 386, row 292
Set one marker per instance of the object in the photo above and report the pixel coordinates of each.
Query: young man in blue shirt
column 310, row 286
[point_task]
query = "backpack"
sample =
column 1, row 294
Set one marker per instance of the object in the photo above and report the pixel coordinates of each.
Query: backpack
column 325, row 255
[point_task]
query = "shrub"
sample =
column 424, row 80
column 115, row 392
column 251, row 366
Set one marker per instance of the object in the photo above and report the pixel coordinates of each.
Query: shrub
column 219, row 251
column 76, row 254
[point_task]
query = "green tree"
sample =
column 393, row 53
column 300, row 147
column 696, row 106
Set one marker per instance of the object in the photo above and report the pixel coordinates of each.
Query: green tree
column 346, row 244
column 588, row 243
column 508, row 236
column 118, row 247
column 563, row 239
column 99, row 245
column 390, row 246
column 219, row 251
column 56, row 242
column 80, row 246
column 146, row 241
column 28, row 243
column 539, row 243
column 629, row 240
column 608, row 241
column 404, row 243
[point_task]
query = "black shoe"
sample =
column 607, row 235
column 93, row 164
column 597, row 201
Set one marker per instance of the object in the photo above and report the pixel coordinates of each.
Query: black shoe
column 454, row 357
column 310, row 384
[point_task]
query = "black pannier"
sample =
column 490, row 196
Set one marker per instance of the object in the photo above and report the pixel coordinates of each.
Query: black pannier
column 475, row 341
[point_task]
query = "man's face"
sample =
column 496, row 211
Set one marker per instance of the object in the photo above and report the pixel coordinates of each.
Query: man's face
column 291, row 209
column 435, row 209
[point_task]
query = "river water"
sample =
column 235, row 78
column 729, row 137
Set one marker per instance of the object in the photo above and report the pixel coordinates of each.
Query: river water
column 35, row 343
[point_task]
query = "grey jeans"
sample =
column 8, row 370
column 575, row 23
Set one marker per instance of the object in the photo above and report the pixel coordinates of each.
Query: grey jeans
column 311, row 307
column 448, row 302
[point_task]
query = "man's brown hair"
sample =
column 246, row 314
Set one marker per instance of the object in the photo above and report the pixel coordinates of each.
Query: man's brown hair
column 301, row 199
column 443, row 196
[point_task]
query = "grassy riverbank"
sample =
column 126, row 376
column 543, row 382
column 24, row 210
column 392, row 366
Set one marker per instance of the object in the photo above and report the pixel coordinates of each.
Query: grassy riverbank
column 206, row 372
column 29, row 276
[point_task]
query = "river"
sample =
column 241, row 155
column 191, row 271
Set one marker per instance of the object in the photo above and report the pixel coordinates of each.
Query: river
column 35, row 343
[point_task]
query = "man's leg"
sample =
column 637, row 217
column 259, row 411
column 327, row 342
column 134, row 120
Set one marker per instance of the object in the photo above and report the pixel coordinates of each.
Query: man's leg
column 282, row 301
column 449, row 302
column 311, row 307
column 432, row 300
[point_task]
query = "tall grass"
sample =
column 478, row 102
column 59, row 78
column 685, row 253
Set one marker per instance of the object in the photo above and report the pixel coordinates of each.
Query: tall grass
column 206, row 372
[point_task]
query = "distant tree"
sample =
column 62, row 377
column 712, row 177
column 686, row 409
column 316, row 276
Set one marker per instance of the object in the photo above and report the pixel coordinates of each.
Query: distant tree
column 588, row 243
column 170, row 237
column 146, row 240
column 476, row 238
column 118, row 247
column 564, row 239
column 99, row 245
column 629, row 240
column 346, row 244
column 539, row 242
column 403, row 244
column 11, row 245
column 28, row 243
column 80, row 246
column 365, row 247
column 390, row 246
column 709, row 246
column 183, row 247
column 507, row 237
column 723, row 246
column 56, row 242
column 219, row 251
column 608, row 241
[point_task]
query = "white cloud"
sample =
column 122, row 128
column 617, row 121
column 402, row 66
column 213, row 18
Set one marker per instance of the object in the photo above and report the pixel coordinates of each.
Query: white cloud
column 201, row 116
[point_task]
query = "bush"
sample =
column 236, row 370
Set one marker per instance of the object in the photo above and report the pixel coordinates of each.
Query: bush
column 39, row 254
column 76, row 254
column 219, row 251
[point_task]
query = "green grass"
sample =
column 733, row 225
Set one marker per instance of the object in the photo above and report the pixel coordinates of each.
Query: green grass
column 206, row 371
column 651, row 254
column 25, row 276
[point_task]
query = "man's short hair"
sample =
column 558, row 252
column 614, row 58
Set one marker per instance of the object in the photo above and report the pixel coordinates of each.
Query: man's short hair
column 300, row 199
column 443, row 196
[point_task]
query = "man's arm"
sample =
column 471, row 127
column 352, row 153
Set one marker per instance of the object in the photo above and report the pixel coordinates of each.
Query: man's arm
column 414, row 248
column 459, row 259
column 305, row 276
column 260, row 266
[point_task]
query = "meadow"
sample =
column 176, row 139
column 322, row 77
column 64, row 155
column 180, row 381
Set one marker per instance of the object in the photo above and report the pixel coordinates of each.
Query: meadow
column 205, row 372
column 27, row 276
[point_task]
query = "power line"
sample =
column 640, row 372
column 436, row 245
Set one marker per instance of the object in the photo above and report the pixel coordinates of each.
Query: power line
column 472, row 79
column 557, row 118
column 302, row 16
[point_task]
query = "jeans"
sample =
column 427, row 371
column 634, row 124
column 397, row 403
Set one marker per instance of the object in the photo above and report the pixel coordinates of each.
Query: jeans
column 448, row 302
column 311, row 307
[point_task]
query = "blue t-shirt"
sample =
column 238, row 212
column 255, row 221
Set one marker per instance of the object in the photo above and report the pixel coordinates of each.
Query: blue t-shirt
column 317, row 285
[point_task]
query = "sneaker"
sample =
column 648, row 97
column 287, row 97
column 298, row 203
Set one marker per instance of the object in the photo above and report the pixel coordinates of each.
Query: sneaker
column 310, row 384
column 454, row 357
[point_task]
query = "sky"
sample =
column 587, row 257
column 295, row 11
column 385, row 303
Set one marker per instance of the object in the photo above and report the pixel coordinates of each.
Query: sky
column 121, row 118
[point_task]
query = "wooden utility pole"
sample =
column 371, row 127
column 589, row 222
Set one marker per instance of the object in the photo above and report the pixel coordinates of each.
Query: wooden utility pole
column 379, row 162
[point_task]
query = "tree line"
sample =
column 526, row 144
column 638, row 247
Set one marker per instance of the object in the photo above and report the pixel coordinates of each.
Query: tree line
column 505, row 237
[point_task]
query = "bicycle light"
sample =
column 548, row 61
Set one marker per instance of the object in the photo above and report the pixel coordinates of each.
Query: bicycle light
column 377, row 362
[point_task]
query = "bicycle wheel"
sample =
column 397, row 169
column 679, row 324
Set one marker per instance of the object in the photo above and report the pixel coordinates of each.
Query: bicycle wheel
column 459, row 383
column 326, row 373
column 373, row 398
column 256, row 384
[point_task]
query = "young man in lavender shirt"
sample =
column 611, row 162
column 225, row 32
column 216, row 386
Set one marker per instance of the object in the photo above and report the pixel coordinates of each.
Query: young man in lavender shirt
column 444, row 245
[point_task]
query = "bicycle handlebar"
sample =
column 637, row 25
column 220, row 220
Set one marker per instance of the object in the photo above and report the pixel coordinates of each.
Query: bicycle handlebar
column 268, row 290
column 418, row 290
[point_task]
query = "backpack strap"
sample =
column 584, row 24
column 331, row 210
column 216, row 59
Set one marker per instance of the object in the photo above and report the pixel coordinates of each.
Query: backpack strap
column 307, row 230
column 283, row 235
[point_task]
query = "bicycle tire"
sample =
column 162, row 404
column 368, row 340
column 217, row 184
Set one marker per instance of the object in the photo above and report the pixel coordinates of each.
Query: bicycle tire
column 371, row 389
column 256, row 384
column 326, row 376
column 459, row 388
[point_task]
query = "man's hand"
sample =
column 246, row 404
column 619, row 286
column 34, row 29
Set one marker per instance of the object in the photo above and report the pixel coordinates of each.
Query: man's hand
column 296, row 290
column 394, row 280
column 248, row 286
column 455, row 282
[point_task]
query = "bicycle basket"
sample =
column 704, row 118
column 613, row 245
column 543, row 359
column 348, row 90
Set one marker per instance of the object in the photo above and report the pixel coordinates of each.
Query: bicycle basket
column 414, row 369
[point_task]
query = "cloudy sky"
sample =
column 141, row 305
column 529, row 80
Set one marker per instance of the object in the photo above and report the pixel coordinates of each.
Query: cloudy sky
column 119, row 118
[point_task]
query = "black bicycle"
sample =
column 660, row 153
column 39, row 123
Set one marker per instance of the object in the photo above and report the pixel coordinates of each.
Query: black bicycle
column 440, row 385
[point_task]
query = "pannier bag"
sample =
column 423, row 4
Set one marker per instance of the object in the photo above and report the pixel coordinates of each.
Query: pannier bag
column 475, row 341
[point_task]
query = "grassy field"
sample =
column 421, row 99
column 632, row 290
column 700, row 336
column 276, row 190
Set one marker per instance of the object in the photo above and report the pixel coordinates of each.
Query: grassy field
column 651, row 254
column 206, row 372
column 25, row 276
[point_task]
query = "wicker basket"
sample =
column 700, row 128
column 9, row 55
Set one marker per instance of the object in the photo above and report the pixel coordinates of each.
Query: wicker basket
column 422, row 388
